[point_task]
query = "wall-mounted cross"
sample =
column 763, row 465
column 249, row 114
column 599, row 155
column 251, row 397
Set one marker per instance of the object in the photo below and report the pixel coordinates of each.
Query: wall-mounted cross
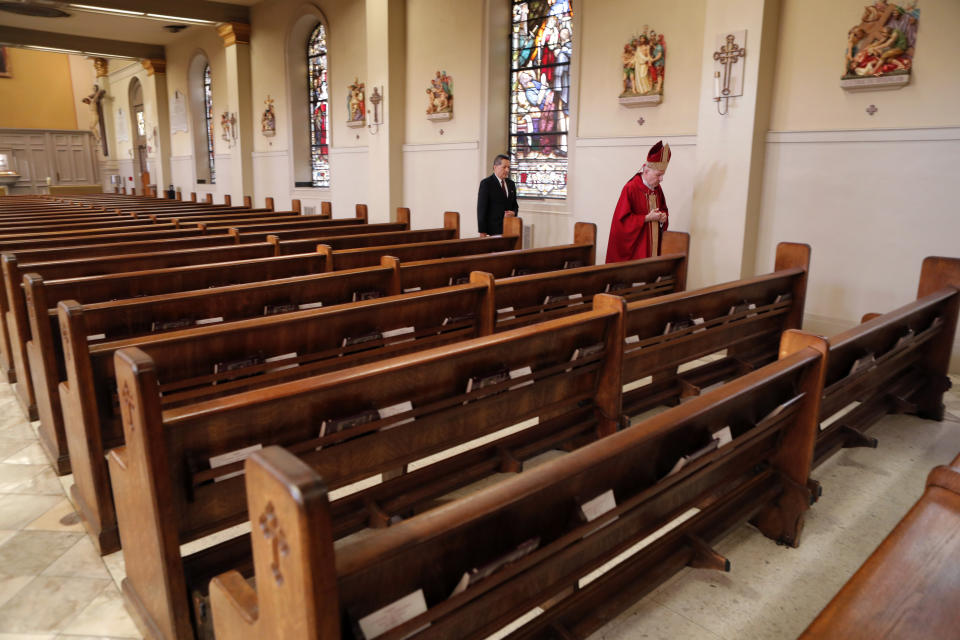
column 640, row 121
column 872, row 109
column 272, row 532
column 728, row 55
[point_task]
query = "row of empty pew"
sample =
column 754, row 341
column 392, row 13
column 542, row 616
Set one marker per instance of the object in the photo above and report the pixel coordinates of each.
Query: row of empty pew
column 524, row 554
column 182, row 369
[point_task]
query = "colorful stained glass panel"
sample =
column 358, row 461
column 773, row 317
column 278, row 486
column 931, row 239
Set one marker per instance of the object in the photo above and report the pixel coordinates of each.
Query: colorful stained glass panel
column 319, row 113
column 208, row 115
column 541, row 45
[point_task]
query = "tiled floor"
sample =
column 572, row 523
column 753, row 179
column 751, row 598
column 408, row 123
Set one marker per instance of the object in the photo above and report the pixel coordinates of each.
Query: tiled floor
column 53, row 584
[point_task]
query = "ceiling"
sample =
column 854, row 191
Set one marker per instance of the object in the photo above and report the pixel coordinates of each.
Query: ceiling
column 110, row 32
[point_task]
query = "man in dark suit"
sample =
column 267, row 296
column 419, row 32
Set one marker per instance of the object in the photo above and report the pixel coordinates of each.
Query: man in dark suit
column 496, row 198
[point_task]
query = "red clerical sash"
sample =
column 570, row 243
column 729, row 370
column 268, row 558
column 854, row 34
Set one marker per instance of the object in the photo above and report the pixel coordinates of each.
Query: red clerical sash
column 653, row 228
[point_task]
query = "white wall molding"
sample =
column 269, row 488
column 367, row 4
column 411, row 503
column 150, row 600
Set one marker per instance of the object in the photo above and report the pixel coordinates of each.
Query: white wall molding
column 470, row 145
column 921, row 134
column 339, row 150
column 270, row 154
column 637, row 141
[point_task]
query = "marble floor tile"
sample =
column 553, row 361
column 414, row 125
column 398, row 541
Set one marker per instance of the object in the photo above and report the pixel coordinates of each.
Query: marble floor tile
column 60, row 517
column 27, row 636
column 15, row 477
column 6, row 534
column 31, row 454
column 103, row 617
column 45, row 483
column 16, row 430
column 10, row 585
column 114, row 564
column 62, row 598
column 30, row 552
column 18, row 510
column 79, row 561
column 11, row 447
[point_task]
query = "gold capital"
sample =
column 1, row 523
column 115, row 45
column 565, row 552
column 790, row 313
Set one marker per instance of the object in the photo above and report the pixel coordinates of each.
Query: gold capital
column 234, row 33
column 154, row 65
column 101, row 65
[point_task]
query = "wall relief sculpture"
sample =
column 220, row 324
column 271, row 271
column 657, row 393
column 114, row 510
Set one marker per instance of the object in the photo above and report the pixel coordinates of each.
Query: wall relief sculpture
column 643, row 63
column 440, row 97
column 879, row 51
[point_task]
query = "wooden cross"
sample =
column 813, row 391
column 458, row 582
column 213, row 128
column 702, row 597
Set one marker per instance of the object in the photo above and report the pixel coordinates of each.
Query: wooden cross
column 872, row 109
column 272, row 532
column 728, row 55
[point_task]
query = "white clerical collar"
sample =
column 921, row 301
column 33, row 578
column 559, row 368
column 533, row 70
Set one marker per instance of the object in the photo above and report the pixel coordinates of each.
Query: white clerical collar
column 645, row 183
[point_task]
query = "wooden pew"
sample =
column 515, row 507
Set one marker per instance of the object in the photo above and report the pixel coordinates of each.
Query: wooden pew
column 429, row 483
column 13, row 304
column 341, row 259
column 579, row 383
column 907, row 588
column 45, row 352
column 17, row 324
column 322, row 592
column 896, row 362
column 92, row 423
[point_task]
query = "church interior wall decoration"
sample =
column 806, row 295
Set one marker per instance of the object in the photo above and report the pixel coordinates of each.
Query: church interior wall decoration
column 268, row 122
column 879, row 53
column 541, row 45
column 440, row 97
column 643, row 63
column 356, row 104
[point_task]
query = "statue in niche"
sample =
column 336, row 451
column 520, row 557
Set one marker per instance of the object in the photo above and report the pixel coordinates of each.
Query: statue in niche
column 356, row 102
column 268, row 122
column 95, row 111
column 440, row 94
column 883, row 43
column 643, row 61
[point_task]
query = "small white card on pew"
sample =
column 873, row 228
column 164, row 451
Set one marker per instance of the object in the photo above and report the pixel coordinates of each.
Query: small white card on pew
column 392, row 333
column 309, row 305
column 519, row 373
column 204, row 321
column 280, row 358
column 96, row 336
column 723, row 436
column 506, row 310
column 395, row 409
column 230, row 457
column 596, row 507
column 393, row 615
column 413, row 289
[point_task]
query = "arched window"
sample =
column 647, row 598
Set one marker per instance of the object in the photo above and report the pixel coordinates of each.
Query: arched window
column 319, row 111
column 200, row 96
column 541, row 44
column 208, row 115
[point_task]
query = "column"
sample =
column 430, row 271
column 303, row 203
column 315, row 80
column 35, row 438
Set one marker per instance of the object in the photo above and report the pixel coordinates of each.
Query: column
column 386, row 62
column 155, row 93
column 236, row 42
column 730, row 148
column 108, row 163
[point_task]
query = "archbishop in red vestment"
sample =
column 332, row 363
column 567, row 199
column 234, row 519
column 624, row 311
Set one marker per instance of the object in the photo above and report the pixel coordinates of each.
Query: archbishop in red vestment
column 630, row 232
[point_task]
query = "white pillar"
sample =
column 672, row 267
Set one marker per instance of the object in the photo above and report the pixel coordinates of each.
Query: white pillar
column 730, row 148
column 386, row 62
column 236, row 42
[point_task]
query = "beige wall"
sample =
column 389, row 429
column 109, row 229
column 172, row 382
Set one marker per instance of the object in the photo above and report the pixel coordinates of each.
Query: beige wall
column 346, row 45
column 437, row 40
column 606, row 27
column 807, row 93
column 179, row 56
column 82, row 79
column 40, row 93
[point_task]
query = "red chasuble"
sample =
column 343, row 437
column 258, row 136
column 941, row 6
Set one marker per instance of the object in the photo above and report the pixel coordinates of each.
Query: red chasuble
column 629, row 233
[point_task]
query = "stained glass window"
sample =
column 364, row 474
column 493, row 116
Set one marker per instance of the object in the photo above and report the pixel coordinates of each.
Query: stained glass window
column 208, row 114
column 540, row 45
column 319, row 115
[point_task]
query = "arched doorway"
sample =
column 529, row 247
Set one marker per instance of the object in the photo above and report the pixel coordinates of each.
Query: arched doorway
column 141, row 176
